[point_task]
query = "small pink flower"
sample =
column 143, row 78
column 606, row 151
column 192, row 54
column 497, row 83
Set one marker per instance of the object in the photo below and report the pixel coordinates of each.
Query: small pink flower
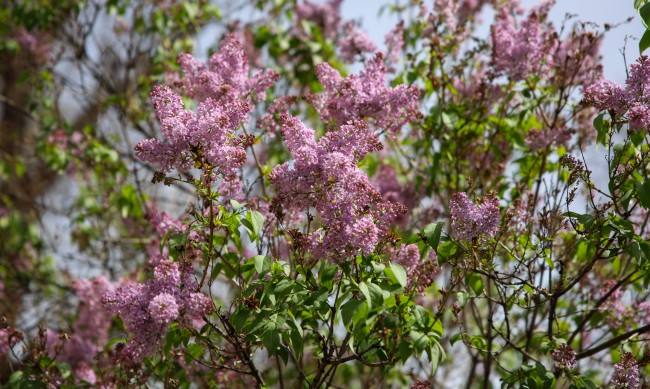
column 469, row 221
column 163, row 308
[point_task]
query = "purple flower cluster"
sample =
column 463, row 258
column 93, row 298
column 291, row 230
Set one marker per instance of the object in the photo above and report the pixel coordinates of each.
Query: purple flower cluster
column 519, row 51
column 326, row 16
column 355, row 43
column 206, row 137
column 470, row 221
column 541, row 139
column 633, row 99
column 226, row 77
column 147, row 309
column 8, row 339
column 324, row 175
column 365, row 97
column 626, row 373
column 421, row 385
column 394, row 41
column 407, row 256
column 621, row 314
column 392, row 190
column 90, row 332
column 606, row 95
column 564, row 357
column 422, row 275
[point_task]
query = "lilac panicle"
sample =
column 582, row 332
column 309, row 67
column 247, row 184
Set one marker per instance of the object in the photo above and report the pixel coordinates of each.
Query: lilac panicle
column 324, row 176
column 90, row 332
column 639, row 117
column 626, row 373
column 365, row 97
column 422, row 275
column 326, row 16
column 637, row 84
column 564, row 357
column 226, row 77
column 606, row 95
column 633, row 99
column 394, row 41
column 147, row 309
column 520, row 51
column 163, row 308
column 208, row 132
column 206, row 137
column 355, row 43
column 469, row 221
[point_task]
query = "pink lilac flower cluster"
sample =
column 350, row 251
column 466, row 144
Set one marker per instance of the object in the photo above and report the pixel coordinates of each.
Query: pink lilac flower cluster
column 326, row 16
column 408, row 256
column 206, row 137
column 365, row 97
column 449, row 19
column 577, row 59
column 522, row 50
column 147, row 309
column 354, row 43
column 392, row 190
column 269, row 121
column 537, row 139
column 164, row 223
column 633, row 99
column 626, row 373
column 324, row 175
column 8, row 338
column 423, row 275
column 564, row 357
column 37, row 44
column 90, row 332
column 226, row 77
column 394, row 42
column 470, row 221
column 421, row 385
column 620, row 314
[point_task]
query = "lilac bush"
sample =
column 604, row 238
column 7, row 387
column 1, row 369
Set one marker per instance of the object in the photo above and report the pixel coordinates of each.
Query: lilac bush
column 268, row 217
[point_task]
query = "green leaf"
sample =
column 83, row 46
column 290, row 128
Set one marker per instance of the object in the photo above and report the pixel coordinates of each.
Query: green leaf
column 363, row 287
column 236, row 206
column 262, row 264
column 475, row 283
column 601, row 130
column 271, row 340
column 297, row 342
column 638, row 3
column 447, row 249
column 405, row 350
column 64, row 369
column 349, row 309
column 194, row 351
column 643, row 191
column 376, row 295
column 420, row 341
column 432, row 232
column 644, row 12
column 434, row 355
column 397, row 273
column 455, row 338
column 644, row 43
column 253, row 224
